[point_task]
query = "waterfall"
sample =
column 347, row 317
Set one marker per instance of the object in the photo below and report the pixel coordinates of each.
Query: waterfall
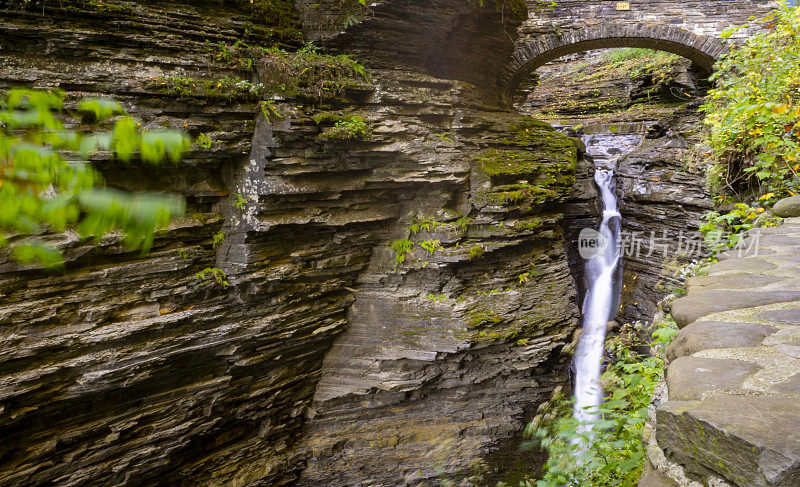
column 599, row 306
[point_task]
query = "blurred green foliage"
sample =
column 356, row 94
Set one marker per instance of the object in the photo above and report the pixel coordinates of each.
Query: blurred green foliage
column 48, row 185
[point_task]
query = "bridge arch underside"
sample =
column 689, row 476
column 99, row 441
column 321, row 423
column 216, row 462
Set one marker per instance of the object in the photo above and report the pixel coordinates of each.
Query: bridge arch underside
column 701, row 50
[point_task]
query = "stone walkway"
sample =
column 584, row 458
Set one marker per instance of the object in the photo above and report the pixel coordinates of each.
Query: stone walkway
column 733, row 415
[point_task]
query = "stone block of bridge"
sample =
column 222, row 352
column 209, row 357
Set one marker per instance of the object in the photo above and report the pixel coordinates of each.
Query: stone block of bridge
column 692, row 30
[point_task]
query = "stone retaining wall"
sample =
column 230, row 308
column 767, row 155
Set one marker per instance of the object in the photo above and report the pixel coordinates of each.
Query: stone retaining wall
column 731, row 411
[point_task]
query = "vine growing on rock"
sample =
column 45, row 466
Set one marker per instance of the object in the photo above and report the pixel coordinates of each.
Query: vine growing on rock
column 47, row 184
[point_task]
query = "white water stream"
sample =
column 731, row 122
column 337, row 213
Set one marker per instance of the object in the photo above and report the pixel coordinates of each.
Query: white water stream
column 599, row 305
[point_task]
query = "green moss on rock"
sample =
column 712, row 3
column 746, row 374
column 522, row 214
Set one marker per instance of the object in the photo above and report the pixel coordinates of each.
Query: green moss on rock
column 475, row 252
column 481, row 317
column 229, row 88
column 530, row 132
column 547, row 188
column 541, row 168
column 508, row 162
column 528, row 225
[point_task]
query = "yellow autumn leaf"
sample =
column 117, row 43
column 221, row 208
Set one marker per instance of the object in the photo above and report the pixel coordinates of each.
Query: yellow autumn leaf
column 781, row 109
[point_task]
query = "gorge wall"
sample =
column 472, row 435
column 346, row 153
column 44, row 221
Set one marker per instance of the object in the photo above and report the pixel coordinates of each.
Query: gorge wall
column 127, row 369
column 398, row 306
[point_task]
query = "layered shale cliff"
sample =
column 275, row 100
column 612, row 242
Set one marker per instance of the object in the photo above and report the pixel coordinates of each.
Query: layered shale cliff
column 336, row 351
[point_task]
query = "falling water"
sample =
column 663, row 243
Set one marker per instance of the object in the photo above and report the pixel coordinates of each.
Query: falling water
column 600, row 303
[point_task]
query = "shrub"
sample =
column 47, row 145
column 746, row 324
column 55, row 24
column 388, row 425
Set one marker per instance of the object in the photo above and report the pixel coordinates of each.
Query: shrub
column 308, row 73
column 725, row 230
column 215, row 273
column 753, row 116
column 754, row 113
column 305, row 73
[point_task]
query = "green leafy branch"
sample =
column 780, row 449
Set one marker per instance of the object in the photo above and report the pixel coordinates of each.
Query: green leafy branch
column 214, row 273
column 47, row 184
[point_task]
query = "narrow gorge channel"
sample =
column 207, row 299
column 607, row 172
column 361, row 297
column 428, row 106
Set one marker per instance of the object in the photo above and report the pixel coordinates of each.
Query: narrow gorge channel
column 602, row 272
column 635, row 152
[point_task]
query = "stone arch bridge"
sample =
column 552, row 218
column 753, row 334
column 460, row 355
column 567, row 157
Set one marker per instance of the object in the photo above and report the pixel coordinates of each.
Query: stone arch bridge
column 690, row 29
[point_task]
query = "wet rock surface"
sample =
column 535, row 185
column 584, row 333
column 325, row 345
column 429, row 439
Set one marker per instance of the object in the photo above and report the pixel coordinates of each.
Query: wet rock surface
column 654, row 478
column 702, row 335
column 446, row 353
column 733, row 406
column 690, row 378
column 662, row 202
column 707, row 301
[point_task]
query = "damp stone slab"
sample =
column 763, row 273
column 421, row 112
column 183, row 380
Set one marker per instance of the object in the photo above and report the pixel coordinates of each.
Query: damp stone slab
column 690, row 378
column 704, row 335
column 704, row 302
column 749, row 440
